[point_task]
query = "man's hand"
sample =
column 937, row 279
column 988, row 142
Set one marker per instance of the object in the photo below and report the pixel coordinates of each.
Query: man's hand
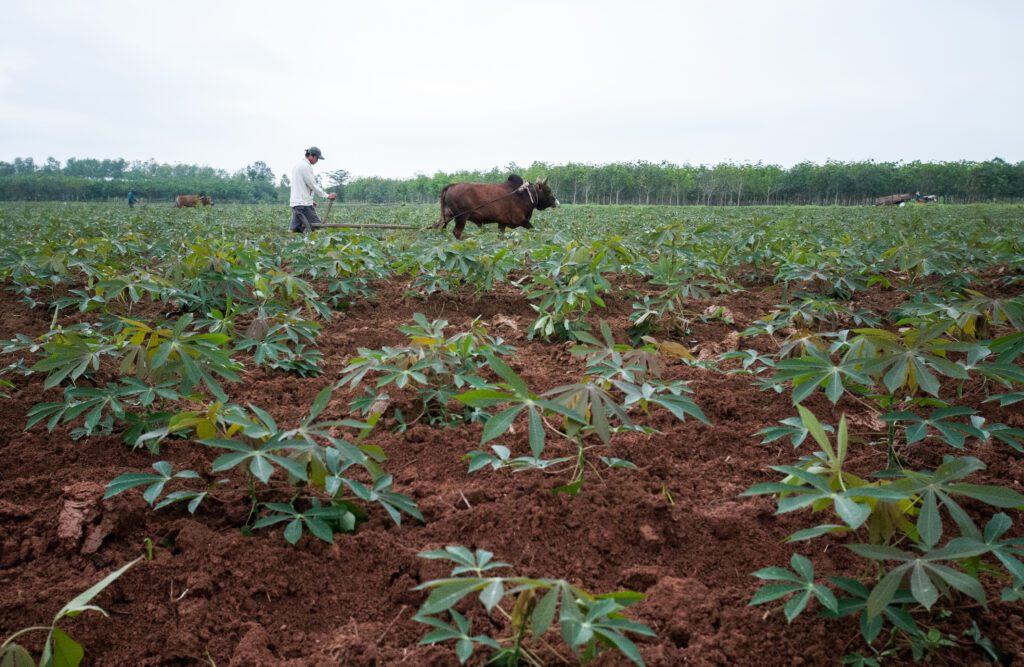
column 333, row 195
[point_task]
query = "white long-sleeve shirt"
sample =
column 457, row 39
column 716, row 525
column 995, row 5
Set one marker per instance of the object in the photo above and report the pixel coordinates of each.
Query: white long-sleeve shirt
column 304, row 185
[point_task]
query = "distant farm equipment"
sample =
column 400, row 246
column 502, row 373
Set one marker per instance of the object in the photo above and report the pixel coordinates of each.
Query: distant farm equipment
column 893, row 200
column 900, row 200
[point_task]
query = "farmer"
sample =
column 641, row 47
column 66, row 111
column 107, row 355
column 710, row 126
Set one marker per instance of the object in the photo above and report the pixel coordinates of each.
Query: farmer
column 304, row 217
column 131, row 199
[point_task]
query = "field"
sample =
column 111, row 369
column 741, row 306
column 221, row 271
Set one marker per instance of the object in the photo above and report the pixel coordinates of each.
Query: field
column 276, row 428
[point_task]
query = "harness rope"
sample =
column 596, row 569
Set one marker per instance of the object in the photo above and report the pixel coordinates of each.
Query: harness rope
column 525, row 186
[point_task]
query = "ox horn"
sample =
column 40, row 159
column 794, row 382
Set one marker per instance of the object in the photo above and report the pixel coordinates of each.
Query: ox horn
column 545, row 181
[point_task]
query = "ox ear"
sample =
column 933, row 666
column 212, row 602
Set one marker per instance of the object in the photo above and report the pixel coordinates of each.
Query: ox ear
column 545, row 181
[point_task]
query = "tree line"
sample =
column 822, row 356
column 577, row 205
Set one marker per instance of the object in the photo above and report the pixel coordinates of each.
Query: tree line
column 102, row 180
column 665, row 183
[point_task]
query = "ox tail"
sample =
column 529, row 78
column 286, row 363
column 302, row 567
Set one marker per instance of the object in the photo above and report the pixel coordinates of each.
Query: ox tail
column 446, row 212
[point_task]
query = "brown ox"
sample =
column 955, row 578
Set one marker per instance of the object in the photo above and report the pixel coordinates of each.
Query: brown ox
column 509, row 204
column 192, row 200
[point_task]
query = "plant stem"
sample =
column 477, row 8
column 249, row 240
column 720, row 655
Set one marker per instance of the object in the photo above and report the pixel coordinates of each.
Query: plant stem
column 252, row 497
column 890, row 450
column 23, row 631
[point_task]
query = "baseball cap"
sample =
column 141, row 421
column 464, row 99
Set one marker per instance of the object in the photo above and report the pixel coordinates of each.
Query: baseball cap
column 315, row 152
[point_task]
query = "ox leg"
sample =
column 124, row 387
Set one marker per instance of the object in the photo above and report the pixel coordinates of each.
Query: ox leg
column 501, row 229
column 459, row 226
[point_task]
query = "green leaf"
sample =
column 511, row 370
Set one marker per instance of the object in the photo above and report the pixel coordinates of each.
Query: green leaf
column 922, row 588
column 961, row 582
column 13, row 655
column 81, row 601
column 817, row 531
column 293, row 531
column 499, row 423
column 802, row 566
column 464, row 649
column 883, row 593
column 492, row 594
column 320, row 528
column 447, row 595
column 544, row 612
column 66, row 651
column 127, row 481
column 929, row 523
column 878, row 552
column 998, row 496
column 770, row 592
column 321, row 400
column 853, row 513
column 507, row 374
column 627, row 647
column 796, row 605
column 536, row 433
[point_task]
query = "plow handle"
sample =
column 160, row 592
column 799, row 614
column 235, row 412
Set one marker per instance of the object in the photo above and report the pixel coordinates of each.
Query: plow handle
column 328, row 214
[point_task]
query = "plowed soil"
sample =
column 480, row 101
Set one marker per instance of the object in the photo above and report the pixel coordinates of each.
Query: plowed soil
column 675, row 529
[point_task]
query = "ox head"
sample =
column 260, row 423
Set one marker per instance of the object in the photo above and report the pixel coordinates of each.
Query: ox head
column 545, row 198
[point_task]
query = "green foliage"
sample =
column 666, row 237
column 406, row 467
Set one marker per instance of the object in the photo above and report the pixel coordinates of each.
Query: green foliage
column 818, row 370
column 514, row 392
column 799, row 581
column 567, row 291
column 905, row 359
column 589, row 624
column 951, row 432
column 585, row 407
column 321, row 521
column 59, row 649
column 638, row 183
column 924, row 572
column 72, row 352
column 154, row 484
column 436, row 366
column 315, row 472
column 157, row 354
column 607, row 359
column 205, row 275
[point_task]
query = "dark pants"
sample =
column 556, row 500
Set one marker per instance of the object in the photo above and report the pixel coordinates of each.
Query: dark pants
column 304, row 219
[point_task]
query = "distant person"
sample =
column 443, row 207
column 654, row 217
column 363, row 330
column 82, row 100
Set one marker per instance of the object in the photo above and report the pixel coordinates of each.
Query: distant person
column 131, row 199
column 304, row 217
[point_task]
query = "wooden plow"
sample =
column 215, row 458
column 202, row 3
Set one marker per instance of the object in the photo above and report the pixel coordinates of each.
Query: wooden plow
column 327, row 216
column 344, row 226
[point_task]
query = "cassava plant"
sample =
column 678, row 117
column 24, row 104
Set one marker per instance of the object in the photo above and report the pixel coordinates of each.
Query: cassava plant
column 314, row 464
column 586, row 407
column 436, row 366
column 900, row 515
column 588, row 624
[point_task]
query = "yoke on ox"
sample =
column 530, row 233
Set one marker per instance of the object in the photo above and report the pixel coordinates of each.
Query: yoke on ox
column 508, row 204
column 192, row 200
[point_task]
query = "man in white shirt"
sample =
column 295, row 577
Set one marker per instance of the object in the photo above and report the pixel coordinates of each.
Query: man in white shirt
column 304, row 217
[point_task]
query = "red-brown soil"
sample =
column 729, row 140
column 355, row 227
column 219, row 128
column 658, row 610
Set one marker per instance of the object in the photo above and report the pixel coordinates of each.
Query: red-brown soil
column 676, row 529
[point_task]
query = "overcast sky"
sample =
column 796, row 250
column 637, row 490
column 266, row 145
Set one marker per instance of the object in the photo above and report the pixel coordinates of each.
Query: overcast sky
column 395, row 88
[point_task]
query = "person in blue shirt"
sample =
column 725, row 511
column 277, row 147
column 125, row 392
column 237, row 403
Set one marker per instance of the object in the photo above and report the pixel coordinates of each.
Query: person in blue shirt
column 131, row 199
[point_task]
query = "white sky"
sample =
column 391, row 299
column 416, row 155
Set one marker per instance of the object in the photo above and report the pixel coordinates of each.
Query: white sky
column 395, row 88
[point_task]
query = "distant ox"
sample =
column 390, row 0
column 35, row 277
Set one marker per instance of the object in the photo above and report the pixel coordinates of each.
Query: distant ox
column 509, row 204
column 192, row 200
